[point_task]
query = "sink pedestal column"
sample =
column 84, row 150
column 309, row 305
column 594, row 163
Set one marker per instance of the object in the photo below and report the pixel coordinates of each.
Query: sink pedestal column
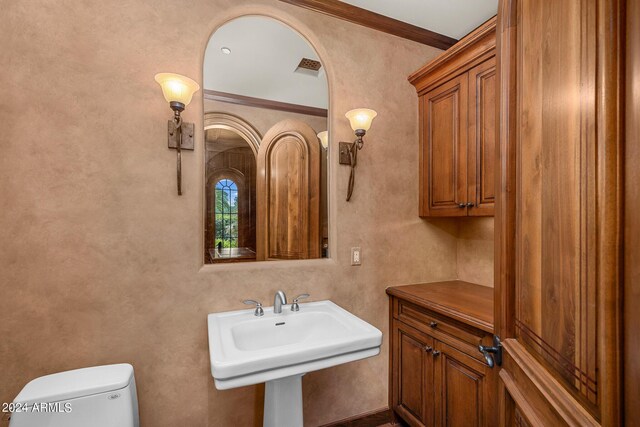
column 283, row 402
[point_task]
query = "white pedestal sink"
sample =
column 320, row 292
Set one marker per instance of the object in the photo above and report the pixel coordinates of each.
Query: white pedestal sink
column 279, row 348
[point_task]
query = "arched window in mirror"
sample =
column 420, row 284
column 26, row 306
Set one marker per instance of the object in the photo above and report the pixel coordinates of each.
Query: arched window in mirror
column 230, row 192
column 226, row 214
column 265, row 99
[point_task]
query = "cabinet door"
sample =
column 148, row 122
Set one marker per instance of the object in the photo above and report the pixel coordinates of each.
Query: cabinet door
column 463, row 389
column 482, row 139
column 443, row 171
column 412, row 375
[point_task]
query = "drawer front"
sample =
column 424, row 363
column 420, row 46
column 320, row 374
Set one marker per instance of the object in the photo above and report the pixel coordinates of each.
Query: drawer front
column 462, row 336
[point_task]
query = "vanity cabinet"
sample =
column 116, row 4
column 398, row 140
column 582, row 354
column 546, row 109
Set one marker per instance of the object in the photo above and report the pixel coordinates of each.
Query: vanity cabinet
column 457, row 109
column 437, row 375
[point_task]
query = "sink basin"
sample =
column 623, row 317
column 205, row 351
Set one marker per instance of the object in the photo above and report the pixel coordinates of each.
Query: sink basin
column 246, row 349
column 278, row 349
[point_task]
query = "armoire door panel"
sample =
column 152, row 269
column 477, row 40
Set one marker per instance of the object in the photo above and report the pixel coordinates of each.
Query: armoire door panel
column 554, row 149
column 536, row 392
column 482, row 139
column 558, row 226
column 445, row 142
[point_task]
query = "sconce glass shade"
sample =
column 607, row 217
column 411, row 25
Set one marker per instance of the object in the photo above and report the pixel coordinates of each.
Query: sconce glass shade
column 177, row 88
column 361, row 118
column 324, row 139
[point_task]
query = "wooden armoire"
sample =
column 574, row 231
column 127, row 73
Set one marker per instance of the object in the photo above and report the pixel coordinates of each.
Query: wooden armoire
column 561, row 253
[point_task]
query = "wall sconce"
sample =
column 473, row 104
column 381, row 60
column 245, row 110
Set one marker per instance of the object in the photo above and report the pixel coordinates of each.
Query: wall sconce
column 324, row 139
column 360, row 120
column 178, row 91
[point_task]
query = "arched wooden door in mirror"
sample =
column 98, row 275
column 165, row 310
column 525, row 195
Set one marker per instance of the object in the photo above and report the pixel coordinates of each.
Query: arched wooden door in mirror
column 289, row 193
column 266, row 197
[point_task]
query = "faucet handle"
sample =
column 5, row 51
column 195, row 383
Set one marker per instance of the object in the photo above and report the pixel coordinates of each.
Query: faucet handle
column 294, row 304
column 259, row 311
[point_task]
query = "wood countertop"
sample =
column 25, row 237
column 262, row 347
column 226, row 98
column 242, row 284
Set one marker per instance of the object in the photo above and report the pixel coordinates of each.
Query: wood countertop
column 463, row 301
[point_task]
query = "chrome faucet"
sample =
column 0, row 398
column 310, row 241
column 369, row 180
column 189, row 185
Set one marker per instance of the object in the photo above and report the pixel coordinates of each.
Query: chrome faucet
column 279, row 299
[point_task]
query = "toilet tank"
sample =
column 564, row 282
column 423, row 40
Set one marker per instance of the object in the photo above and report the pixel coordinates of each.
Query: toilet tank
column 100, row 396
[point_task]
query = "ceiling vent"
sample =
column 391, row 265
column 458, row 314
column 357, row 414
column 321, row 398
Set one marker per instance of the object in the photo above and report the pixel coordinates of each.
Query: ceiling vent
column 310, row 67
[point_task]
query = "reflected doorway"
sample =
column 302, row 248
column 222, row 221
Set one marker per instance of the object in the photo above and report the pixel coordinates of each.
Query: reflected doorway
column 230, row 233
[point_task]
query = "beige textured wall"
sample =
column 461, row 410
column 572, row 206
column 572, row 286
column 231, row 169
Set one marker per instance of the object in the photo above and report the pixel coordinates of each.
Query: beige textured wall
column 101, row 260
column 475, row 250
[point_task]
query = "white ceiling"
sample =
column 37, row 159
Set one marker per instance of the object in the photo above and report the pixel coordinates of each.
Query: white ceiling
column 265, row 52
column 453, row 18
column 264, row 56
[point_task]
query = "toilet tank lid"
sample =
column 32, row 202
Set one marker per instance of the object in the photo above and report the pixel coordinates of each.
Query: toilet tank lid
column 77, row 383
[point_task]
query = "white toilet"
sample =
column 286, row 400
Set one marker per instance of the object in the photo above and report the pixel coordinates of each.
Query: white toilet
column 100, row 396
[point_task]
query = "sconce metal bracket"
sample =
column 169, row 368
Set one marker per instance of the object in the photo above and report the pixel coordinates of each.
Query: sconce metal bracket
column 344, row 147
column 187, row 135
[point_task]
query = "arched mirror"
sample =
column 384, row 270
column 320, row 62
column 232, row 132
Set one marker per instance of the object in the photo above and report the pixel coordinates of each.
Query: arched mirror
column 266, row 100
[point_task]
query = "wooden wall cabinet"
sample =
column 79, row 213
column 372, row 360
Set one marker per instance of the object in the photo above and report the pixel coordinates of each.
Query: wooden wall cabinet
column 457, row 105
column 438, row 376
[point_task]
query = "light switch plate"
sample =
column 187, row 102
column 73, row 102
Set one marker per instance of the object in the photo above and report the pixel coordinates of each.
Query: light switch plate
column 356, row 256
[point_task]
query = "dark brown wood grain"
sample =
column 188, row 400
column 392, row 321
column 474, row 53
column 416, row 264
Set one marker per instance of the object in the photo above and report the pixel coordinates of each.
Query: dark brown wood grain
column 506, row 126
column 482, row 159
column 632, row 220
column 465, row 302
column 465, row 389
column 357, row 15
column 232, row 98
column 288, row 193
column 558, row 244
column 444, row 138
column 549, row 241
column 412, row 375
column 437, row 374
column 609, row 225
column 457, row 128
column 537, row 393
column 519, row 419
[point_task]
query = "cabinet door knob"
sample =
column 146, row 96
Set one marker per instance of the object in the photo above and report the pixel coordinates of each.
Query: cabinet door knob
column 462, row 205
column 436, row 353
column 470, row 205
column 428, row 348
column 433, row 324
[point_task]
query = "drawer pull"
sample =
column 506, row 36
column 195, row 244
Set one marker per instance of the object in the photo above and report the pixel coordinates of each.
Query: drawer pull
column 436, row 353
column 428, row 348
column 433, row 324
